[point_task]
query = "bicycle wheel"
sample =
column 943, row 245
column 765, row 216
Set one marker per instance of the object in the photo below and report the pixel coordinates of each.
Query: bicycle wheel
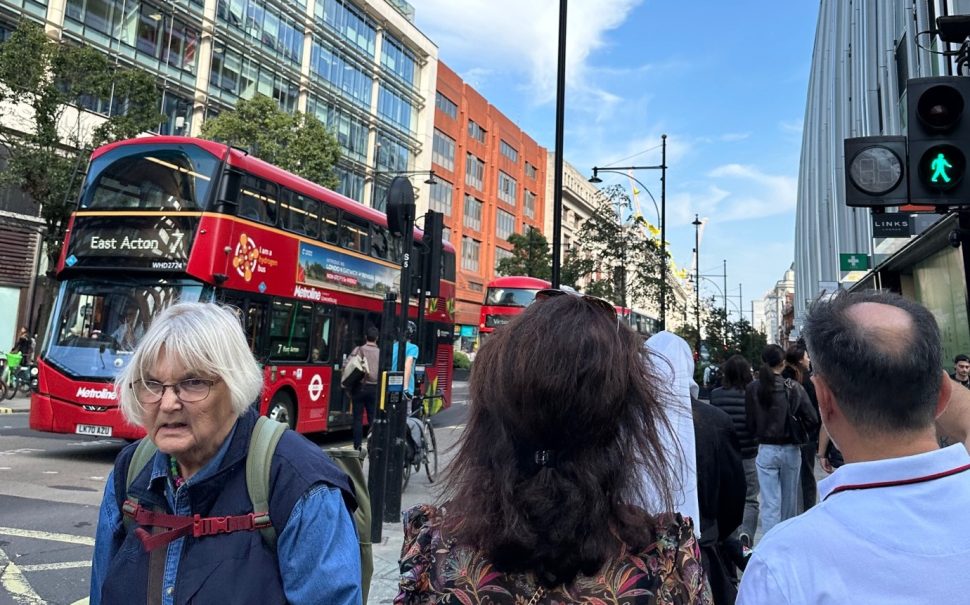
column 23, row 387
column 407, row 466
column 9, row 389
column 430, row 452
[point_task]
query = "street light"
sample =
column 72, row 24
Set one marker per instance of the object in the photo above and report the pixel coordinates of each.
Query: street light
column 662, row 167
column 697, row 278
column 431, row 180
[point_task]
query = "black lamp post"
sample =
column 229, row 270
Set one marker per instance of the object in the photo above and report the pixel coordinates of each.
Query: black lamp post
column 662, row 167
column 697, row 279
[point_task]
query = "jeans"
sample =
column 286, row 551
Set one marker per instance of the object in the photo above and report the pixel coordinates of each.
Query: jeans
column 778, row 472
column 365, row 399
column 750, row 524
column 809, row 488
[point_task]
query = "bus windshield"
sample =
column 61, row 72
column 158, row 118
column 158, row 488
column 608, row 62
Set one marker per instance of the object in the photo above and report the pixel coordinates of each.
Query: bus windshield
column 98, row 323
column 150, row 177
column 510, row 297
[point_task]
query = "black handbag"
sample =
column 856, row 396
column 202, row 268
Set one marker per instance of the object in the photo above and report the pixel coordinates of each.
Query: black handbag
column 793, row 425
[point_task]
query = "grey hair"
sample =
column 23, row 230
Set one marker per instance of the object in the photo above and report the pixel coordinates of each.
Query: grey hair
column 206, row 337
column 885, row 380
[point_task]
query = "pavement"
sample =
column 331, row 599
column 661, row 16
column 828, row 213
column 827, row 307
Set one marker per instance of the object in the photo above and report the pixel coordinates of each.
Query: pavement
column 17, row 405
column 384, row 583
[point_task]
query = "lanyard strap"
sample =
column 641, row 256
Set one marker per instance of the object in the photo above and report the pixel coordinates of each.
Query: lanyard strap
column 923, row 479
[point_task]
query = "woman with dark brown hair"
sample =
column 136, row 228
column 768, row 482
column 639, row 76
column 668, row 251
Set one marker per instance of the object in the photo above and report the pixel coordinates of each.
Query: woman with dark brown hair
column 540, row 501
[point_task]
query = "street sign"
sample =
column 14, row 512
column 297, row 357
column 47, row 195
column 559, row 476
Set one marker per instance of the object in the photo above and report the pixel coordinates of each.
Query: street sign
column 853, row 262
column 892, row 224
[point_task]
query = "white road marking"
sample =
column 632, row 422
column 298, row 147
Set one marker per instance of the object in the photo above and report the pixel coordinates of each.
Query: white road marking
column 53, row 566
column 15, row 584
column 96, row 478
column 5, row 468
column 22, row 450
column 46, row 535
column 51, row 472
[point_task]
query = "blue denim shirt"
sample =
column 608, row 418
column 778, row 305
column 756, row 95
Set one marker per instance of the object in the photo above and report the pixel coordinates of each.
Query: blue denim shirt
column 319, row 562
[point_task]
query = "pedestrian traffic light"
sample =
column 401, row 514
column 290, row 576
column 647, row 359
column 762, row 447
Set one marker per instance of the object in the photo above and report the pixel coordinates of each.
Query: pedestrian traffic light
column 875, row 172
column 939, row 139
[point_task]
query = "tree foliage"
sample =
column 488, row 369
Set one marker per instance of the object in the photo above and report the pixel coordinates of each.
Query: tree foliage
column 616, row 259
column 530, row 256
column 296, row 142
column 44, row 81
column 726, row 338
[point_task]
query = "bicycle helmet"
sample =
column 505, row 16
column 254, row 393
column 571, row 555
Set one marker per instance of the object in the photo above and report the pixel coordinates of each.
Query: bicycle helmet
column 412, row 329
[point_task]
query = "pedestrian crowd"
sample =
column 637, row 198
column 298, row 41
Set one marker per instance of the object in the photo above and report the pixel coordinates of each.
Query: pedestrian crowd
column 588, row 471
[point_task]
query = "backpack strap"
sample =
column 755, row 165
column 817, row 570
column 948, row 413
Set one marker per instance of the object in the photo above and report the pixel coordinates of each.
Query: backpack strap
column 262, row 445
column 139, row 460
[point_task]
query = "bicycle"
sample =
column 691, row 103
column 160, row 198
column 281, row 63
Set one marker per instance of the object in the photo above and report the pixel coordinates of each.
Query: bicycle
column 15, row 377
column 421, row 445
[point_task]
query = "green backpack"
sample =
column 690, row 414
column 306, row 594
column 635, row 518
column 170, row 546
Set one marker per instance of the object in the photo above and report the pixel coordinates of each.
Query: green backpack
column 262, row 445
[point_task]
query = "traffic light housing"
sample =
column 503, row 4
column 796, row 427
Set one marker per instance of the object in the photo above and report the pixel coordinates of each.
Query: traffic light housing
column 939, row 139
column 875, row 172
column 434, row 226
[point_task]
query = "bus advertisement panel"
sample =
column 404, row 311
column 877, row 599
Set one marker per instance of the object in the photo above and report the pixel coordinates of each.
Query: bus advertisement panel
column 171, row 218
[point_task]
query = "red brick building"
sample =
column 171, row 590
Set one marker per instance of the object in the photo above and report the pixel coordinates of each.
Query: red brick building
column 491, row 183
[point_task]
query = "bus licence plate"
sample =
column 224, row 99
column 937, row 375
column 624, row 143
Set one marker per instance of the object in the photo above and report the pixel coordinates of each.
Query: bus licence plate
column 93, row 429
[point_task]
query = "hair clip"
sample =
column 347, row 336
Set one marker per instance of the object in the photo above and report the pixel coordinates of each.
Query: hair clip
column 545, row 457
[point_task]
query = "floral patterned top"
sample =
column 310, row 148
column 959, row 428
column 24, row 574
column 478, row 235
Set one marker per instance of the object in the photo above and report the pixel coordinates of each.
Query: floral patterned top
column 436, row 570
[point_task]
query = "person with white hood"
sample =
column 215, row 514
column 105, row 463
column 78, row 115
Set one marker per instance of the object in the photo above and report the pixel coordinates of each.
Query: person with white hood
column 674, row 364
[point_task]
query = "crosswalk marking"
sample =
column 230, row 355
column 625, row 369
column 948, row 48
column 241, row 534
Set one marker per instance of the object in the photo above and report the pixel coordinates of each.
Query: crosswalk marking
column 55, row 566
column 46, row 535
column 15, row 584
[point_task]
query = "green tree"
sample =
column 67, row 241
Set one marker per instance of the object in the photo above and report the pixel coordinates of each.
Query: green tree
column 48, row 151
column 296, row 142
column 616, row 259
column 530, row 256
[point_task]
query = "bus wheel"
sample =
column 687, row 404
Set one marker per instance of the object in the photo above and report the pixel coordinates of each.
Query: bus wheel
column 281, row 409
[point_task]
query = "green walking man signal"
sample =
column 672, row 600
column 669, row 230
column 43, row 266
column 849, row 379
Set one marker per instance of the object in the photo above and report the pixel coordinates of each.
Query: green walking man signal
column 939, row 166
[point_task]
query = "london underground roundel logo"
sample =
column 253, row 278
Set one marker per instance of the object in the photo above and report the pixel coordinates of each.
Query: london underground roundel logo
column 246, row 257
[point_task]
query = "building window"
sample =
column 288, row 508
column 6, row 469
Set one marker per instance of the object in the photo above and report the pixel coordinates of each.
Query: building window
column 470, row 250
column 442, row 193
column 395, row 108
column 397, row 59
column 530, row 203
column 443, row 150
column 446, row 234
column 265, row 23
column 351, row 184
column 351, row 132
column 504, row 224
column 243, row 78
column 501, row 253
column 474, row 172
column 508, row 151
column 342, row 18
column 506, row 188
column 340, row 74
column 530, row 170
column 446, row 105
column 392, row 155
column 473, row 213
column 475, row 131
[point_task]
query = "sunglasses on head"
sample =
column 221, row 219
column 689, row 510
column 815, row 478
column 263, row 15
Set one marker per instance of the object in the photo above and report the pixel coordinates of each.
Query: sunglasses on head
column 594, row 301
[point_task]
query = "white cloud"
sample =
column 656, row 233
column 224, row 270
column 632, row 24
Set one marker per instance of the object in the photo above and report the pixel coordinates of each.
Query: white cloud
column 522, row 37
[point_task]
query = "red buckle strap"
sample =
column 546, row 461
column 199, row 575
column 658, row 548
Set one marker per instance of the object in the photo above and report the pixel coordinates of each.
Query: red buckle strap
column 183, row 525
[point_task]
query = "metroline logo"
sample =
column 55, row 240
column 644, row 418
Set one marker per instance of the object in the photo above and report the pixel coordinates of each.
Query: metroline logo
column 104, row 393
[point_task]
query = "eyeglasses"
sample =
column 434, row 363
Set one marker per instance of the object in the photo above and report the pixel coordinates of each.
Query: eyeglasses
column 190, row 390
column 595, row 301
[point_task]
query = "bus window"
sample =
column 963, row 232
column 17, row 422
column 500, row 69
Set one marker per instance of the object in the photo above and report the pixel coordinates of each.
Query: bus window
column 257, row 200
column 349, row 332
column 252, row 314
column 289, row 331
column 354, row 233
column 320, row 336
column 329, row 218
column 380, row 242
column 303, row 216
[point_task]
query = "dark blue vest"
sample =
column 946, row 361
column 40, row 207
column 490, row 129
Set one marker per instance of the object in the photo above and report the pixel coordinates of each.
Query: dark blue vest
column 227, row 568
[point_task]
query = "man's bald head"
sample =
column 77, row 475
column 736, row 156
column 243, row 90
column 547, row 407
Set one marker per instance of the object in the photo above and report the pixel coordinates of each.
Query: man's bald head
column 880, row 355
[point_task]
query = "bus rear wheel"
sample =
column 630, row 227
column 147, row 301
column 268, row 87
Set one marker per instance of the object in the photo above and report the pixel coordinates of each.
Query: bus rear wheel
column 281, row 409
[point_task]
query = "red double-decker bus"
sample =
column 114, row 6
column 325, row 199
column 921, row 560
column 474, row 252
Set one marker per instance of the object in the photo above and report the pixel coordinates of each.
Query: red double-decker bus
column 162, row 219
column 506, row 297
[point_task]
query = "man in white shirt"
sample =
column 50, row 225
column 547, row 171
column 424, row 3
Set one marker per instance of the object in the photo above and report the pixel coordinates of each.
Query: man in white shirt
column 891, row 525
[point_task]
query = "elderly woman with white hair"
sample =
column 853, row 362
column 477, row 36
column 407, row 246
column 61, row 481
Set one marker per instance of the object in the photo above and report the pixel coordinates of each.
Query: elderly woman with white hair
column 184, row 528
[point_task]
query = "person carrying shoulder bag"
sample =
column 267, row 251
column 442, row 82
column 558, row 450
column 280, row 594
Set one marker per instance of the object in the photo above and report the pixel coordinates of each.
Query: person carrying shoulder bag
column 365, row 398
column 780, row 415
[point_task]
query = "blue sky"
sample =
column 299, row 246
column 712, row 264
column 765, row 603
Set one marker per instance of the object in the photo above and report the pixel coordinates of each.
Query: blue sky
column 726, row 81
